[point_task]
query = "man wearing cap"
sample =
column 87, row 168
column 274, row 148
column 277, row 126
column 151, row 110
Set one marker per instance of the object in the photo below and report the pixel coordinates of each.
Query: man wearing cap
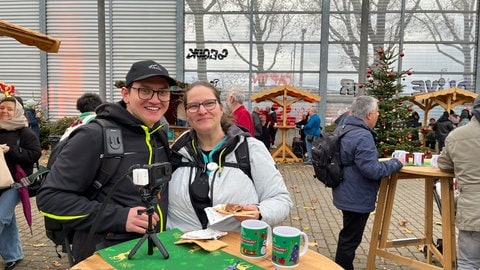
column 460, row 155
column 67, row 194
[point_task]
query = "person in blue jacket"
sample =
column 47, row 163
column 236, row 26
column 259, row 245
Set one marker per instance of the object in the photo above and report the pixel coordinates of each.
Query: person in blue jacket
column 362, row 172
column 312, row 132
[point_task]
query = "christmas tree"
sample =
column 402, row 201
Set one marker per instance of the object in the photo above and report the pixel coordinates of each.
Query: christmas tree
column 383, row 83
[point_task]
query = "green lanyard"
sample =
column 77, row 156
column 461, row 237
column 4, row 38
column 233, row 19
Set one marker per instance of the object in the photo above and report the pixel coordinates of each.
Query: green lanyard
column 211, row 165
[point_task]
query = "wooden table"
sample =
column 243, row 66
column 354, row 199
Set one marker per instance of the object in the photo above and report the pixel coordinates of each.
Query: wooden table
column 379, row 243
column 311, row 260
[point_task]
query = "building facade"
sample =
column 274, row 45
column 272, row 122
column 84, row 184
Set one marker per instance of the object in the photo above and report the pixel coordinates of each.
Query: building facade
column 320, row 46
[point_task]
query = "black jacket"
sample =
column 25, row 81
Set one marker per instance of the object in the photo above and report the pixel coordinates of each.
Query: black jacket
column 67, row 193
column 24, row 148
column 443, row 127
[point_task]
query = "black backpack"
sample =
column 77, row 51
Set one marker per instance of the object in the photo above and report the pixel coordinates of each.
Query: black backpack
column 326, row 157
column 112, row 155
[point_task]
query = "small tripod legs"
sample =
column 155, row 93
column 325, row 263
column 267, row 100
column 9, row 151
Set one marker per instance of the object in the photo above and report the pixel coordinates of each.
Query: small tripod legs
column 152, row 238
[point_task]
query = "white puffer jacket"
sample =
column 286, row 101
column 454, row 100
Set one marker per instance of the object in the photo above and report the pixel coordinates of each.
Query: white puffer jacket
column 230, row 185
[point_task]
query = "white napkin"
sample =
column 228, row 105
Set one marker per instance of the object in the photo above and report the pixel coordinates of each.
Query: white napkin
column 203, row 234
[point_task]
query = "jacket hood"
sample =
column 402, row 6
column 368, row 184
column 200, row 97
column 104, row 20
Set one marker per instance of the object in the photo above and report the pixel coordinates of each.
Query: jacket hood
column 354, row 121
column 444, row 117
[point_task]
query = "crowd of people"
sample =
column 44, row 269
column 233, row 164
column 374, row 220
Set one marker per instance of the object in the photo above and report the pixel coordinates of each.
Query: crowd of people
column 206, row 166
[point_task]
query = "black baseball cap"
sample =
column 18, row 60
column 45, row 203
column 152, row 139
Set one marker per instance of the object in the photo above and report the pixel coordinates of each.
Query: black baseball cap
column 145, row 69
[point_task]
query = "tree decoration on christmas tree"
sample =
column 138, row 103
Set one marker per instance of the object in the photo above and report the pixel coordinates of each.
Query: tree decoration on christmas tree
column 383, row 83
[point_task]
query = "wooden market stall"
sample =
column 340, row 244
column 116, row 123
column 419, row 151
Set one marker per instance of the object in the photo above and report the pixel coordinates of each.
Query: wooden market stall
column 447, row 99
column 284, row 96
column 29, row 37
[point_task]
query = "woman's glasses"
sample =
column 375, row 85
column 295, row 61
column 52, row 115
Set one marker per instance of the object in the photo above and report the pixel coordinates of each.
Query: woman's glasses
column 208, row 104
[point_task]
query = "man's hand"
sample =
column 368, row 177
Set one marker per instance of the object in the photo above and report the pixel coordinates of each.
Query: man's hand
column 138, row 223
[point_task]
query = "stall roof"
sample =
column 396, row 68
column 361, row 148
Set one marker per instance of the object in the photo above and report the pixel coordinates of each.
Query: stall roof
column 285, row 91
column 447, row 99
column 29, row 37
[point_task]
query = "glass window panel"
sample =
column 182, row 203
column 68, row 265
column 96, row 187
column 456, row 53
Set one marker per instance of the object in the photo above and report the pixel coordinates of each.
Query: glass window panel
column 345, row 27
column 280, row 52
column 419, row 5
column 214, row 29
column 230, row 6
column 343, row 57
column 217, row 56
column 311, row 56
column 345, row 6
column 431, row 82
column 342, row 83
column 434, row 27
column 235, row 27
column 376, row 5
column 427, row 57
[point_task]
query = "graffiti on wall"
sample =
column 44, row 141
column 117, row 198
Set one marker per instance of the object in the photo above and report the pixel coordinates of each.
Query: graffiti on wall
column 349, row 86
column 428, row 86
column 207, row 54
column 273, row 78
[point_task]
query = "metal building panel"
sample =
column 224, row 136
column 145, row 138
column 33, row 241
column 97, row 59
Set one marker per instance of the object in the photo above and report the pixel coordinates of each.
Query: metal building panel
column 74, row 70
column 140, row 30
column 21, row 63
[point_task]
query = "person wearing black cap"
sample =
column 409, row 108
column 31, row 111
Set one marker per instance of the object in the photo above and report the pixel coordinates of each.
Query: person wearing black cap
column 459, row 155
column 65, row 194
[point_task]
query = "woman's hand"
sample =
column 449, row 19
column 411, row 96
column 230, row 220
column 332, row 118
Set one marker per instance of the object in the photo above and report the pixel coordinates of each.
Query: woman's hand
column 249, row 207
column 5, row 148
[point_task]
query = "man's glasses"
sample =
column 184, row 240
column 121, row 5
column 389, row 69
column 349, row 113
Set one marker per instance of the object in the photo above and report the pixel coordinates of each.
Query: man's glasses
column 147, row 93
column 208, row 104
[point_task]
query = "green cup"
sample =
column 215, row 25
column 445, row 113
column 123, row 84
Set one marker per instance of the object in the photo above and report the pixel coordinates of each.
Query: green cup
column 255, row 235
column 286, row 246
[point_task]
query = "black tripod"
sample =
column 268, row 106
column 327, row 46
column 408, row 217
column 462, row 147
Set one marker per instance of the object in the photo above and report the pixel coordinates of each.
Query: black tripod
column 150, row 234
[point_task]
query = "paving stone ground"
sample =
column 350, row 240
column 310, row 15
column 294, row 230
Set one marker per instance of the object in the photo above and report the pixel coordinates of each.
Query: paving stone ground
column 313, row 212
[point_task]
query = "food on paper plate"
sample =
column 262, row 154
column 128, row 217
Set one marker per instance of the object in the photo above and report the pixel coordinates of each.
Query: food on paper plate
column 229, row 208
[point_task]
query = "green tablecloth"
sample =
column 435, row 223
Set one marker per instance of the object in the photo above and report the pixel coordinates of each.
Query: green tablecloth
column 184, row 256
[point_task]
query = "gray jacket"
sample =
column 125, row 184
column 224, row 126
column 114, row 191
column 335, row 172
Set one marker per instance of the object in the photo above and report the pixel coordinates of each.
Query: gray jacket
column 460, row 156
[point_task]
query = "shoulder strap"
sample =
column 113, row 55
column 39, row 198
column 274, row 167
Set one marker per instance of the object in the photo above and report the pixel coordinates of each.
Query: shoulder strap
column 241, row 154
column 346, row 129
column 113, row 151
column 243, row 159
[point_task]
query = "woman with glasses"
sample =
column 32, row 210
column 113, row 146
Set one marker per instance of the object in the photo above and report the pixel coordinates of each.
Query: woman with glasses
column 202, row 178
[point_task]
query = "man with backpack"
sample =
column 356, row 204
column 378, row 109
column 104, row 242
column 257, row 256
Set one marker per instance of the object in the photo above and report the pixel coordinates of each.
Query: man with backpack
column 356, row 195
column 71, row 193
